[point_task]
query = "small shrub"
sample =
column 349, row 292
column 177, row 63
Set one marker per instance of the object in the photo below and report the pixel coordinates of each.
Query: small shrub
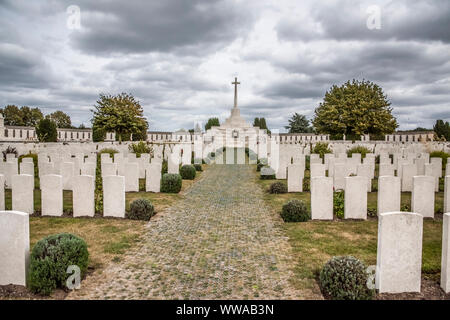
column 164, row 167
column 345, row 278
column 338, row 201
column 440, row 154
column 140, row 209
column 267, row 173
column 171, row 183
column 50, row 258
column 358, row 149
column 295, row 211
column 278, row 187
column 321, row 148
column 306, row 183
column 9, row 149
column 188, row 172
column 140, row 147
column 198, row 167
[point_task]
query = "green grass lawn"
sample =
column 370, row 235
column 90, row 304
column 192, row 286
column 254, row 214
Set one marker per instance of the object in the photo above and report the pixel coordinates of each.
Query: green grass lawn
column 107, row 238
column 315, row 242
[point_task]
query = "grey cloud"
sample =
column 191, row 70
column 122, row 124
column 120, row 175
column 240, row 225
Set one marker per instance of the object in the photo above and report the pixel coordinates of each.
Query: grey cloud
column 158, row 26
column 346, row 20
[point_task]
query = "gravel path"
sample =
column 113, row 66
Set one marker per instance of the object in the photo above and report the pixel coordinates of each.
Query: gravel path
column 220, row 242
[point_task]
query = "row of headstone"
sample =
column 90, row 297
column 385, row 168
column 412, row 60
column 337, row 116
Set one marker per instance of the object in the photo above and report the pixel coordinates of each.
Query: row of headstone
column 389, row 196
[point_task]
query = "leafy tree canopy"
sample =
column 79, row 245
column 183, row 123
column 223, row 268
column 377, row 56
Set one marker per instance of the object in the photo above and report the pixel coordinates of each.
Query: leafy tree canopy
column 442, row 129
column 298, row 124
column 212, row 122
column 121, row 114
column 61, row 119
column 46, row 130
column 355, row 108
column 24, row 116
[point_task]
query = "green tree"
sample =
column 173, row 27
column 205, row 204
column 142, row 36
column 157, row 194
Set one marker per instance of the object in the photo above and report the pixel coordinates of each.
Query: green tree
column 298, row 124
column 355, row 108
column 442, row 129
column 98, row 134
column 263, row 125
column 61, row 119
column 256, row 122
column 12, row 115
column 31, row 116
column 212, row 122
column 121, row 114
column 46, row 130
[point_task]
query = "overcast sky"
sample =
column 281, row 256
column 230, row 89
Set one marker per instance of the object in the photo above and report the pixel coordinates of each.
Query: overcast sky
column 178, row 58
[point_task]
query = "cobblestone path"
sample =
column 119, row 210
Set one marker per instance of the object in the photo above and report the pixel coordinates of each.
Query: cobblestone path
column 220, row 242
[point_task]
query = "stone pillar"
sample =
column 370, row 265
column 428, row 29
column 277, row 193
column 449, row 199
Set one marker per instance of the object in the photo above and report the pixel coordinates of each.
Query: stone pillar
column 51, row 195
column 22, row 193
column 114, row 196
column 14, row 247
column 399, row 252
column 83, row 196
column 445, row 257
column 295, row 177
column 355, row 198
column 153, row 178
column 422, row 198
column 389, row 194
column 131, row 177
column 322, row 198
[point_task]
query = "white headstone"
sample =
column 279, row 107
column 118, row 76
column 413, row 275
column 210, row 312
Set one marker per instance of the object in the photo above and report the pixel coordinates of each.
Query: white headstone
column 153, row 178
column 422, row 197
column 408, row 172
column 317, row 170
column 51, row 195
column 114, row 196
column 447, row 194
column 109, row 169
column 22, row 193
column 14, row 247
column 355, row 206
column 2, row 192
column 83, row 196
column 67, row 173
column 295, row 178
column 399, row 252
column 27, row 168
column 131, row 177
column 445, row 257
column 322, row 198
column 389, row 194
column 386, row 170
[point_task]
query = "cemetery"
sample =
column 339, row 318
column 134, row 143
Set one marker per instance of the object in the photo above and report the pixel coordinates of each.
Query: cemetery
column 234, row 212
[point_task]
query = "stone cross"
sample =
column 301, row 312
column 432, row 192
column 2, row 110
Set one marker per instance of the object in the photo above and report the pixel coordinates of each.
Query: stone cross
column 235, row 91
